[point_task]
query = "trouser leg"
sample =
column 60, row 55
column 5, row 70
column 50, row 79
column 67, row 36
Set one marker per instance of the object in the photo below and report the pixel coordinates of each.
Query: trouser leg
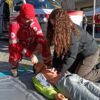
column 82, row 89
column 78, row 88
column 14, row 60
column 92, row 87
column 87, row 70
column 93, row 75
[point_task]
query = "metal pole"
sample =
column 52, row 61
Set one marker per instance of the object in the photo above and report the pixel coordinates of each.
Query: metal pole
column 24, row 1
column 94, row 7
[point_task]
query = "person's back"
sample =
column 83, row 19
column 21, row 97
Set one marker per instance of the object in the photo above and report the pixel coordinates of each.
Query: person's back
column 87, row 45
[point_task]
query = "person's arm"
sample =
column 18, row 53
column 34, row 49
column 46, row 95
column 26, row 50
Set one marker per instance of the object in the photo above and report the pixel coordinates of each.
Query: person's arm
column 60, row 96
column 70, row 57
column 14, row 47
column 43, row 42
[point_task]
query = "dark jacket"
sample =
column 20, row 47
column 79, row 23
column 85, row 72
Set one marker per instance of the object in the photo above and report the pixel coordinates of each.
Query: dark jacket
column 84, row 45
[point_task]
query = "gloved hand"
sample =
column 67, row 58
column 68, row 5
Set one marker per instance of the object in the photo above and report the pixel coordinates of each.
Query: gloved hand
column 34, row 59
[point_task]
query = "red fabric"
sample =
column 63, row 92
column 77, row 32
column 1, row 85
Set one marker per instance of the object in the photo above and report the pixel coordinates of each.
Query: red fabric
column 27, row 10
column 97, row 19
column 27, row 38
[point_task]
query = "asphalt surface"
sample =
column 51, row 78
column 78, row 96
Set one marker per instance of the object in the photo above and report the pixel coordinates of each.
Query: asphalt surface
column 4, row 65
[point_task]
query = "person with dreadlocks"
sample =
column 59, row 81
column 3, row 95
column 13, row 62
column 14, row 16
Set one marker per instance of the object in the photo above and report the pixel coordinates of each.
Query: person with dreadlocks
column 72, row 45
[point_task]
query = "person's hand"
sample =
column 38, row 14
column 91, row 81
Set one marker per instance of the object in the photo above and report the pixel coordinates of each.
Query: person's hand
column 39, row 66
column 48, row 61
column 34, row 59
column 60, row 96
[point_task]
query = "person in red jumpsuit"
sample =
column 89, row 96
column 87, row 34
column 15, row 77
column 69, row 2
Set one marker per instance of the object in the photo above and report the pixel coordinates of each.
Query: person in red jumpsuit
column 26, row 38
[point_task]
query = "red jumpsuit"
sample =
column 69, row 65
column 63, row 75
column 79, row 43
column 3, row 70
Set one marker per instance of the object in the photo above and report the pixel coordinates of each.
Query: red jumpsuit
column 23, row 41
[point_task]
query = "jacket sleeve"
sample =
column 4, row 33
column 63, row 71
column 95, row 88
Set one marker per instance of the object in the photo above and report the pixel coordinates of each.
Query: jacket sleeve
column 15, row 48
column 40, row 39
column 70, row 57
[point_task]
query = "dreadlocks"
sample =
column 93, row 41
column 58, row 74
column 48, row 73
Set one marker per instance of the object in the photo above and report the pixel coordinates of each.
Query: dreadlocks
column 59, row 30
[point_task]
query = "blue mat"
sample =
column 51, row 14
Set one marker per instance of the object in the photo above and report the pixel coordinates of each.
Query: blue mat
column 2, row 74
column 21, row 71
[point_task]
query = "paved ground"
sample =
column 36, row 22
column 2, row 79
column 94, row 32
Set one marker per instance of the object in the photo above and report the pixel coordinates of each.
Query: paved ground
column 4, row 57
column 4, row 65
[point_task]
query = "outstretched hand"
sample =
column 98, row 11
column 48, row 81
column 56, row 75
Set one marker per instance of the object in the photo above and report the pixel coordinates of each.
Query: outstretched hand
column 60, row 96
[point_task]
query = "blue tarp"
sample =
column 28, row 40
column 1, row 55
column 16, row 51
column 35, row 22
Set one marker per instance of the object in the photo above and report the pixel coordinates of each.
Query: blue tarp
column 13, row 89
column 20, row 88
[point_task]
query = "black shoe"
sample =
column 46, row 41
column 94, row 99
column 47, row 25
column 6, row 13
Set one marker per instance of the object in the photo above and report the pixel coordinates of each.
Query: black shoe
column 14, row 72
column 98, row 66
